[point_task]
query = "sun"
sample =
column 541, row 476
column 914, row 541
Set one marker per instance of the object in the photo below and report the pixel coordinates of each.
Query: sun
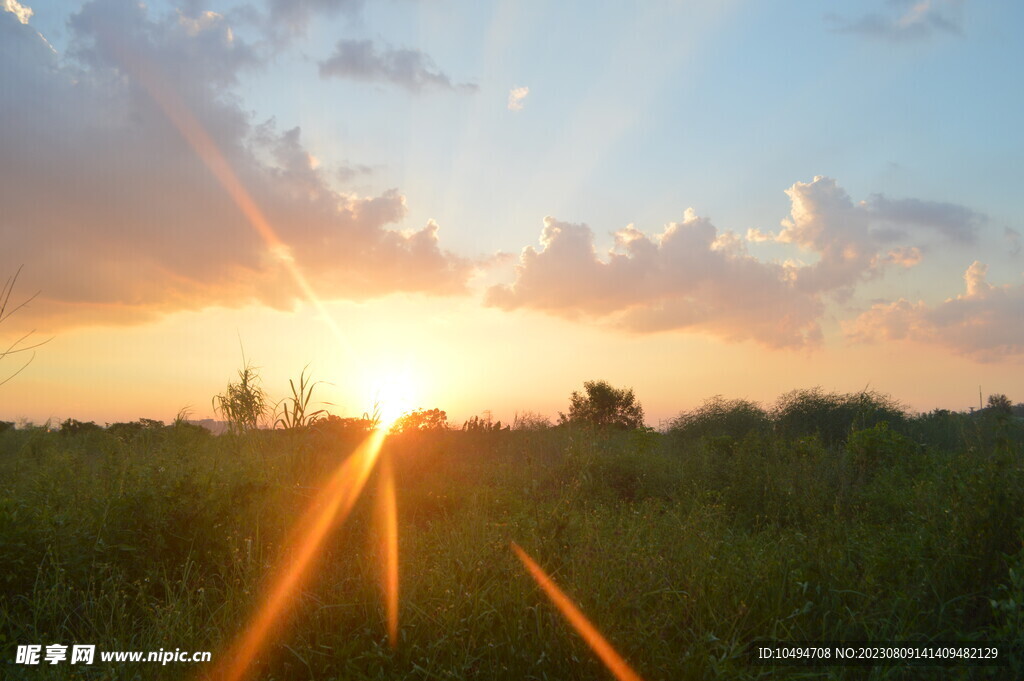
column 394, row 394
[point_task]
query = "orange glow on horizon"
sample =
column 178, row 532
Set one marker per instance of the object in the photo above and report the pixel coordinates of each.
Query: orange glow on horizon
column 615, row 663
column 330, row 507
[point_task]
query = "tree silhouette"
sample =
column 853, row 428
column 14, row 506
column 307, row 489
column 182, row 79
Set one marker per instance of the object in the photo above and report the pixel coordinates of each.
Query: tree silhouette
column 604, row 406
column 1000, row 404
column 421, row 420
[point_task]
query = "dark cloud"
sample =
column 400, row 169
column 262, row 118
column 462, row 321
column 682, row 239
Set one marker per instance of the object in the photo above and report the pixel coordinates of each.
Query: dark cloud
column 955, row 222
column 905, row 20
column 410, row 69
column 117, row 218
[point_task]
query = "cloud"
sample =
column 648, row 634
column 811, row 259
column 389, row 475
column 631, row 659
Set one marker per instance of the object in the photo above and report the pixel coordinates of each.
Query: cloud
column 985, row 322
column 517, row 97
column 688, row 277
column 291, row 18
column 955, row 222
column 413, row 70
column 825, row 221
column 1012, row 237
column 905, row 256
column 694, row 277
column 116, row 218
column 22, row 12
column 906, row 20
column 849, row 237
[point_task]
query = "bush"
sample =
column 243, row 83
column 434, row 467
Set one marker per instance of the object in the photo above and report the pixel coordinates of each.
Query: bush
column 718, row 416
column 128, row 431
column 833, row 416
column 878, row 446
column 74, row 427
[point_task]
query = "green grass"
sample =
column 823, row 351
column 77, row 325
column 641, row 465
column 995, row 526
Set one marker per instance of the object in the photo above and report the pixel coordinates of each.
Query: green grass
column 681, row 550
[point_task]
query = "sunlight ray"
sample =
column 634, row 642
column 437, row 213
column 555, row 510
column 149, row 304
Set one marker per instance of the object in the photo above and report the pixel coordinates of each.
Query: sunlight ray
column 192, row 130
column 578, row 620
column 329, row 508
column 387, row 516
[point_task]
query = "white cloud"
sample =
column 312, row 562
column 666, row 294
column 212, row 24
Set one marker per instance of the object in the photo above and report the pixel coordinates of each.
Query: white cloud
column 825, row 221
column 517, row 97
column 985, row 322
column 688, row 277
column 23, row 12
column 694, row 277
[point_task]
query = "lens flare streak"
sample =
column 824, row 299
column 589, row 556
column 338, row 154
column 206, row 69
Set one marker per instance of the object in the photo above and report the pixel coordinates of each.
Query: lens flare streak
column 330, row 507
column 578, row 620
column 178, row 113
column 387, row 515
column 335, row 501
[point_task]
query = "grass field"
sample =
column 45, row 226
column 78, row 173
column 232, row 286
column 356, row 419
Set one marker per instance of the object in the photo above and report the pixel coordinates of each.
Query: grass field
column 682, row 547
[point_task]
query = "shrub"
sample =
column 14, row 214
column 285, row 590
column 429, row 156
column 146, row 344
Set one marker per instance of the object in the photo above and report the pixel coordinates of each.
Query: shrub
column 878, row 446
column 718, row 416
column 529, row 420
column 74, row 427
column 243, row 404
column 129, row 430
column 834, row 416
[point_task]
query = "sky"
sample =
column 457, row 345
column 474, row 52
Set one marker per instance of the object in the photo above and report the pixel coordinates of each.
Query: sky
column 489, row 203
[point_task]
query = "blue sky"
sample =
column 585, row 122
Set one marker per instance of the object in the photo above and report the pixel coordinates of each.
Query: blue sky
column 633, row 116
column 637, row 111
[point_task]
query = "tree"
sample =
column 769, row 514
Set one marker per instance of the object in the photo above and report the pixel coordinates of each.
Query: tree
column 605, row 407
column 17, row 346
column 421, row 420
column 76, row 427
column 1000, row 404
column 129, row 430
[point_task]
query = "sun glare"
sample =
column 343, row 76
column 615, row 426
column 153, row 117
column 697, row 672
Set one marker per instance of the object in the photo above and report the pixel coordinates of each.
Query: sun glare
column 393, row 395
